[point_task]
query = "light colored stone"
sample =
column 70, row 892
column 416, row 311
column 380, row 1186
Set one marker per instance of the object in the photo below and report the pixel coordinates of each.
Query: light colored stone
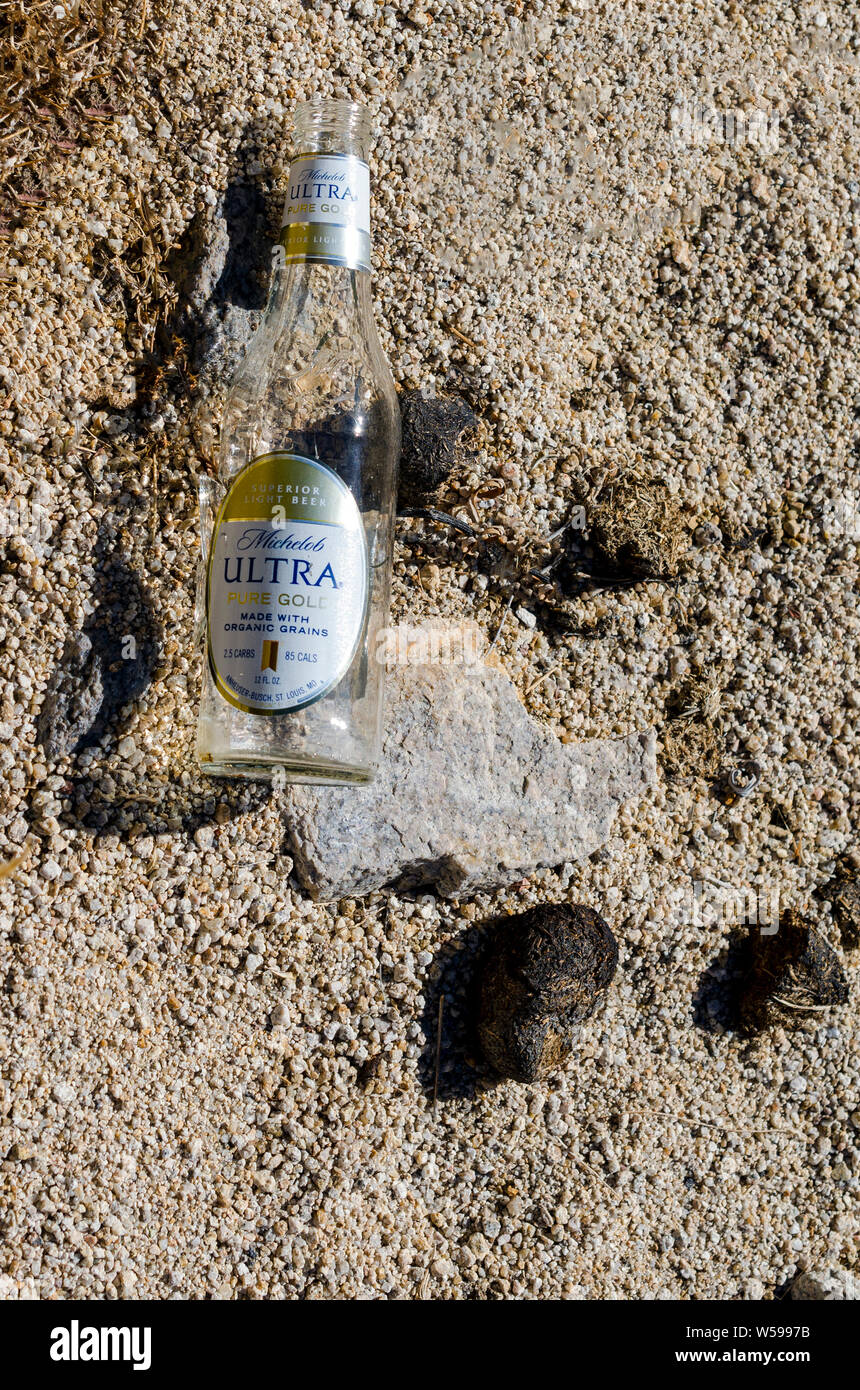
column 826, row 1285
column 471, row 793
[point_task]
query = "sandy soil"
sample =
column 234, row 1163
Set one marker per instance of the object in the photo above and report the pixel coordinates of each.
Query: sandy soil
column 627, row 235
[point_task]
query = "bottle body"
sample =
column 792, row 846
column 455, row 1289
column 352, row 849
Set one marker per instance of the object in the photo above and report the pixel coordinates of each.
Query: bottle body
column 298, row 539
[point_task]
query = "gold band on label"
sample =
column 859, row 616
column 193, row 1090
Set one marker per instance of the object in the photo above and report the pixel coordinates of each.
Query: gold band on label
column 326, row 241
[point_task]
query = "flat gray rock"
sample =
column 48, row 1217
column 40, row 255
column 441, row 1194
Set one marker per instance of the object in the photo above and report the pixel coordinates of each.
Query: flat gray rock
column 471, row 793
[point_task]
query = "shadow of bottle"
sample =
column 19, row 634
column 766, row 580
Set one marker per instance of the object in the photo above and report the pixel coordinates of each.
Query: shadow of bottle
column 221, row 270
column 126, row 643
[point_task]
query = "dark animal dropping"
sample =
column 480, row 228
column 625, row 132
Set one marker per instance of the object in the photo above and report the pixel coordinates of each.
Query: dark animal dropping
column 794, row 976
column 636, row 531
column 431, row 430
column 547, row 971
column 844, row 895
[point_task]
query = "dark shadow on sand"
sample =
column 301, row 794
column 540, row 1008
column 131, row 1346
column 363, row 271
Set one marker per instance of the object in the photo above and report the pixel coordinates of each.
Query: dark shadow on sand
column 453, row 977
column 717, row 1001
column 127, row 643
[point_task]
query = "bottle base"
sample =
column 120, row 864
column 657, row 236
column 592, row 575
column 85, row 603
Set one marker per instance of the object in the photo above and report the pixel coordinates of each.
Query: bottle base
column 312, row 770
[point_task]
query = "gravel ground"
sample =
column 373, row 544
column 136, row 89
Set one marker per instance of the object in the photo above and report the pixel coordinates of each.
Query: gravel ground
column 211, row 1086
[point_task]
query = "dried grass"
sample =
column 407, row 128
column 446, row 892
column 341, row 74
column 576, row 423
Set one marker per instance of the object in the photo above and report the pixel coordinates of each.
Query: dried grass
column 61, row 82
column 637, row 530
column 691, row 740
column 68, row 74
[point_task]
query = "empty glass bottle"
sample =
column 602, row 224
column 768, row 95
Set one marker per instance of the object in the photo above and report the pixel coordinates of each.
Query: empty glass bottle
column 298, row 561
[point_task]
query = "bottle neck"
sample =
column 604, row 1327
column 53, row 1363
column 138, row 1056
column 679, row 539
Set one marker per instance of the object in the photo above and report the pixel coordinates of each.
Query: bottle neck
column 327, row 210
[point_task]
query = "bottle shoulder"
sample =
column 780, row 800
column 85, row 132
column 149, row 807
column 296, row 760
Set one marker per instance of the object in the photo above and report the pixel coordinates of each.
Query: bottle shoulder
column 316, row 326
column 328, row 406
column 314, row 371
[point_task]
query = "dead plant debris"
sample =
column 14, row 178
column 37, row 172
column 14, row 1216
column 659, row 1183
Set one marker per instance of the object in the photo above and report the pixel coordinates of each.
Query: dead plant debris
column 692, row 743
column 637, row 531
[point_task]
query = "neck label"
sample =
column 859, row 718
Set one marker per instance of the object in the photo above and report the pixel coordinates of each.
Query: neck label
column 327, row 212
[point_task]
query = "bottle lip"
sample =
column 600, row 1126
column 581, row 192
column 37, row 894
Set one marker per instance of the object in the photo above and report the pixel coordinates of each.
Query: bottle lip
column 326, row 112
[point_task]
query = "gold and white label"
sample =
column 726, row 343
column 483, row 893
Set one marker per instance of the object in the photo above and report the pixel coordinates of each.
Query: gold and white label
column 327, row 212
column 287, row 585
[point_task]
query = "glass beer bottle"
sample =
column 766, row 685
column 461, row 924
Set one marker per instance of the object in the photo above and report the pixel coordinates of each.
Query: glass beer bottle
column 298, row 566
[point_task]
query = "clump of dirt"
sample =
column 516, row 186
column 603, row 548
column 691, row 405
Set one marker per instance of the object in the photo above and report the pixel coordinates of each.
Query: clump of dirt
column 637, row 531
column 844, row 895
column 794, row 976
column 432, row 429
column 546, row 972
column 691, row 739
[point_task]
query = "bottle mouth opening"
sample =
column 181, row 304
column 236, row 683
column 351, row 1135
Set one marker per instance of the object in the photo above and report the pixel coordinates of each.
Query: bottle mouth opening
column 331, row 114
